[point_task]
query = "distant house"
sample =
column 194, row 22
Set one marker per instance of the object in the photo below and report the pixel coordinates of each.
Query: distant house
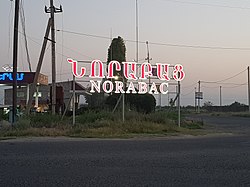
column 64, row 92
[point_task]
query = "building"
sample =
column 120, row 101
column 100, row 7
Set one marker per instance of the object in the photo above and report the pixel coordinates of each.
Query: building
column 42, row 98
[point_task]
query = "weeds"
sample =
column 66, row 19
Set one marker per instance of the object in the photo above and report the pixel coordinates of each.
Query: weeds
column 97, row 124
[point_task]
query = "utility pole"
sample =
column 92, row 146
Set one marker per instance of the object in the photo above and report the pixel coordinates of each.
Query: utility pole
column 137, row 31
column 199, row 90
column 123, row 103
column 38, row 68
column 52, row 10
column 179, row 104
column 220, row 97
column 15, row 53
column 148, row 59
column 195, row 103
column 74, row 100
column 248, row 80
column 160, row 100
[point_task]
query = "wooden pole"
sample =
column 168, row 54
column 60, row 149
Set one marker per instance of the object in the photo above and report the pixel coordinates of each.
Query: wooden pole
column 15, row 53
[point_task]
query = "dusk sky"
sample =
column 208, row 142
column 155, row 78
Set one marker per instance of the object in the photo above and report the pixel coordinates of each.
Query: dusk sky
column 219, row 24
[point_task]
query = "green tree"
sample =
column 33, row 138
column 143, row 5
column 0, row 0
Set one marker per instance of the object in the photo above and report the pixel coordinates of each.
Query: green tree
column 144, row 103
column 117, row 51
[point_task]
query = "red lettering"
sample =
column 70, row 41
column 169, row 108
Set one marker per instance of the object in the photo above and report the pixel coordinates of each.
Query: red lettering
column 110, row 68
column 178, row 73
column 127, row 74
column 93, row 69
column 74, row 68
column 163, row 71
column 146, row 72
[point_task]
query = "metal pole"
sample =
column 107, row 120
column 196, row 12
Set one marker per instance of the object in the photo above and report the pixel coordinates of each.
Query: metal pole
column 15, row 53
column 123, row 107
column 168, row 98
column 53, row 49
column 248, row 88
column 220, row 97
column 36, row 98
column 67, row 106
column 28, row 94
column 74, row 100
column 179, row 104
column 160, row 100
column 195, row 101
column 38, row 68
column 123, row 104
column 117, row 103
column 199, row 90
column 137, row 32
column 149, row 79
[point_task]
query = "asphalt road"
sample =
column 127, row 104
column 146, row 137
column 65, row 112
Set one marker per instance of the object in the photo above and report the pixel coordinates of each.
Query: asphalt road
column 181, row 161
column 225, row 124
column 217, row 161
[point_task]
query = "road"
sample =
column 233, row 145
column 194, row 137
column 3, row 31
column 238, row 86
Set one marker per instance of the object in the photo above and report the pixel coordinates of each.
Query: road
column 225, row 124
column 176, row 161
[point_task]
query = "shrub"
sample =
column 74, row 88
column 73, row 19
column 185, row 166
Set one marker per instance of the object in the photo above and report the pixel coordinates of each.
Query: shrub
column 143, row 103
column 45, row 120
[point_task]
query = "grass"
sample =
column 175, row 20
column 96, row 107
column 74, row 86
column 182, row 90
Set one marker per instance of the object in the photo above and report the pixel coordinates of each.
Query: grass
column 100, row 124
column 227, row 114
column 241, row 114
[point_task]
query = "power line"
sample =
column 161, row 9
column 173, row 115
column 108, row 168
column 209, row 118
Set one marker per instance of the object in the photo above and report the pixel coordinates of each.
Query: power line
column 83, row 34
column 214, row 82
column 206, row 4
column 223, row 83
column 236, row 86
column 199, row 46
column 192, row 91
column 189, row 85
column 62, row 46
column 162, row 44
column 22, row 16
column 36, row 42
column 209, row 86
column 10, row 26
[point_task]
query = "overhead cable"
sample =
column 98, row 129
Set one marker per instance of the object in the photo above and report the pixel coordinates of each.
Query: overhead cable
column 161, row 44
column 206, row 4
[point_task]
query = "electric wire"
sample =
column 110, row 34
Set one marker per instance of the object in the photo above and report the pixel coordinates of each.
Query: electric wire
column 22, row 16
column 189, row 85
column 49, row 48
column 192, row 91
column 73, row 50
column 219, row 81
column 206, row 4
column 160, row 44
column 62, row 46
column 236, row 86
column 224, row 83
column 21, row 59
column 209, row 87
column 10, row 26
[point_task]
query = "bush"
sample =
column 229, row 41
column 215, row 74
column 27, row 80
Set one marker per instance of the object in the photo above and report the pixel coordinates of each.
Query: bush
column 23, row 123
column 44, row 120
column 90, row 117
column 97, row 124
column 143, row 103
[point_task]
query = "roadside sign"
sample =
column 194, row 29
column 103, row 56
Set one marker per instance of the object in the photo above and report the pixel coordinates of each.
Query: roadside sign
column 198, row 95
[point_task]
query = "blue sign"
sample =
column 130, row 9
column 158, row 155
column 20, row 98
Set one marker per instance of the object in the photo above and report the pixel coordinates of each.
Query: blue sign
column 23, row 78
column 8, row 76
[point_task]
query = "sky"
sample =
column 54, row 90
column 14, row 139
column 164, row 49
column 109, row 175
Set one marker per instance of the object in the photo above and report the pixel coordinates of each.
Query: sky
column 216, row 24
